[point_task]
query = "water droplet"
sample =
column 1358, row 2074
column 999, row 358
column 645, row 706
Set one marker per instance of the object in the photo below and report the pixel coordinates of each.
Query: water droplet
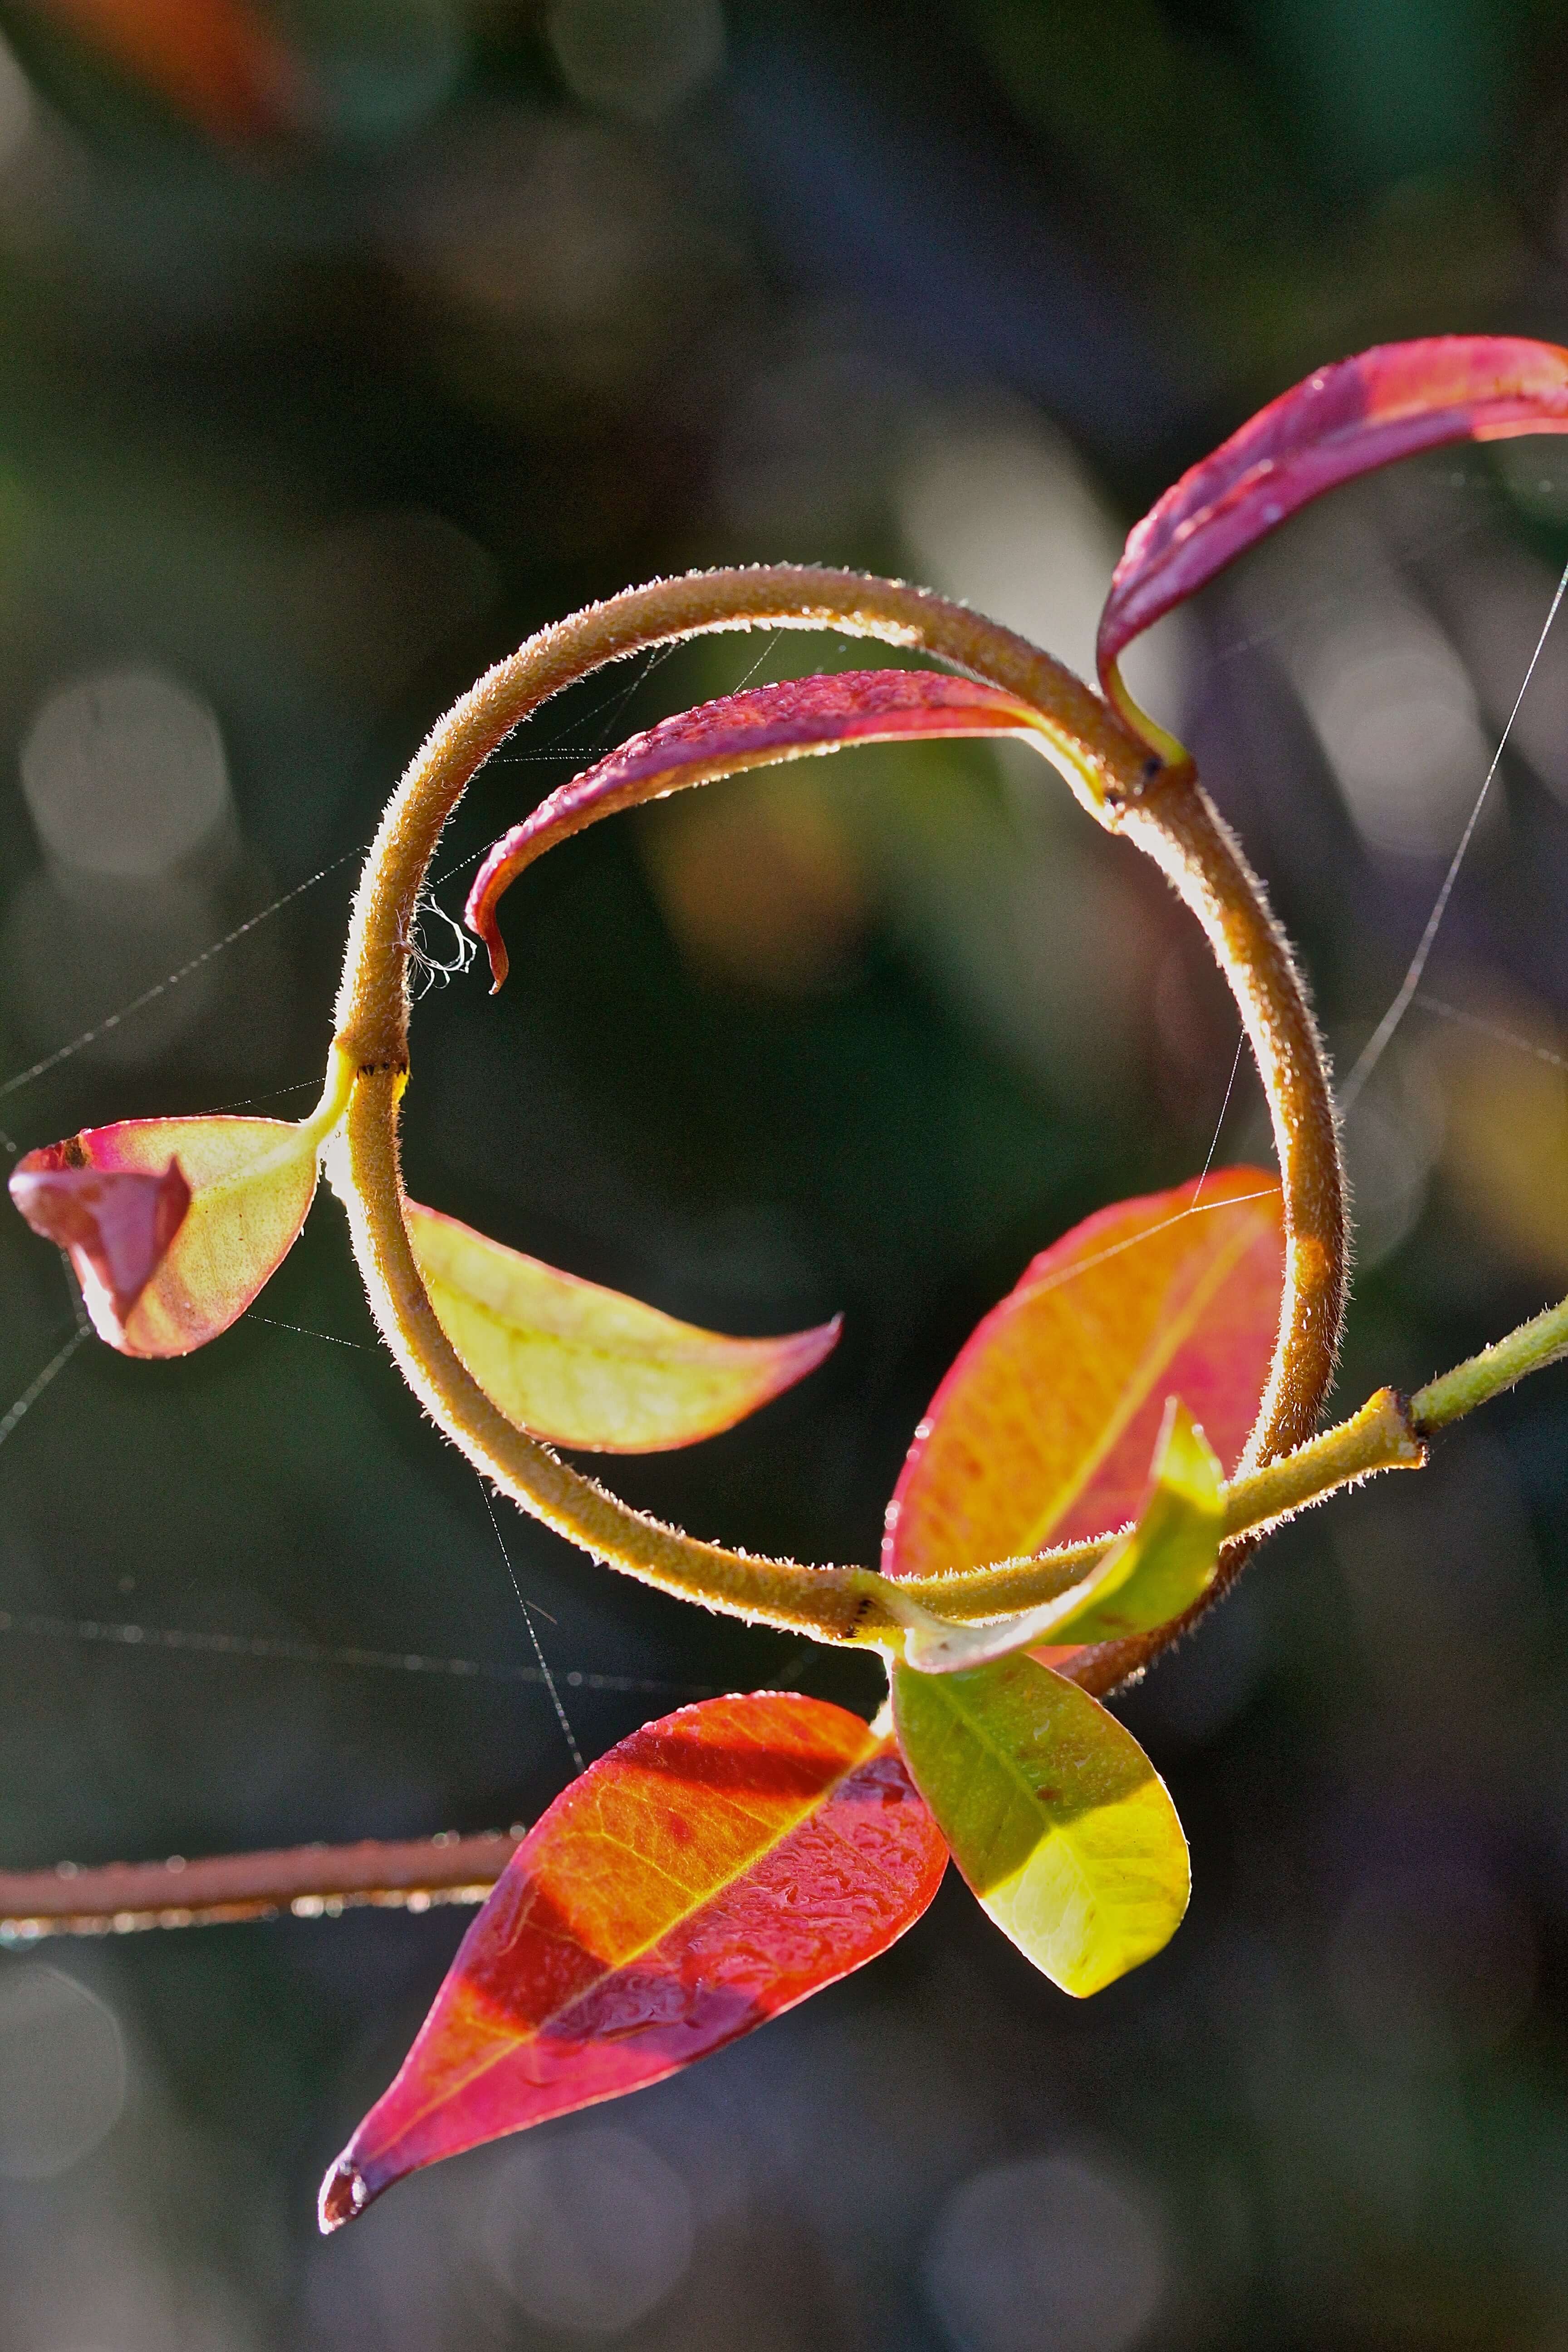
column 344, row 2193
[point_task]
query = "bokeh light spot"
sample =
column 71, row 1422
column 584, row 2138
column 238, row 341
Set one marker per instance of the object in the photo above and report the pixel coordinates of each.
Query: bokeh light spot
column 62, row 2072
column 1052, row 2255
column 589, row 2230
column 637, row 57
column 125, row 775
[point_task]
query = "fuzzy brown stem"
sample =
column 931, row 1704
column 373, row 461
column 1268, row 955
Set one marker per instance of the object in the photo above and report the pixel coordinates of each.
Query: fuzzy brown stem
column 1176, row 824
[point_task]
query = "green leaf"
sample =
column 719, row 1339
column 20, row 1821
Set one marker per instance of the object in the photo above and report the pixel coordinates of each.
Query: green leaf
column 1056, row 1817
column 1153, row 1575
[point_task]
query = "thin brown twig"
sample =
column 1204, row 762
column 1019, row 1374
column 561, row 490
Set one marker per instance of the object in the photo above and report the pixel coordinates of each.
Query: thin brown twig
column 308, row 1882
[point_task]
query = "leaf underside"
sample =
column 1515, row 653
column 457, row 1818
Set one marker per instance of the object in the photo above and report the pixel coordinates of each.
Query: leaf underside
column 751, row 730
column 1344, row 420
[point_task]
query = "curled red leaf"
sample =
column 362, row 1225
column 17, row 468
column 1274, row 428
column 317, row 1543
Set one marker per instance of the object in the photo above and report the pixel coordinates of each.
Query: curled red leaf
column 1342, row 421
column 173, row 1224
column 711, row 1871
column 753, row 729
column 117, row 1225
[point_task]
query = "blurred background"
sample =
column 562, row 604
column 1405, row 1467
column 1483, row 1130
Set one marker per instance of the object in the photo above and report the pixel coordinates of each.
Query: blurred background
column 341, row 343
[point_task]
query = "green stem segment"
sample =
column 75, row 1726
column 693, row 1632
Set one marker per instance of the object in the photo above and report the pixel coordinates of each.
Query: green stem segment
column 1111, row 772
column 1541, row 1341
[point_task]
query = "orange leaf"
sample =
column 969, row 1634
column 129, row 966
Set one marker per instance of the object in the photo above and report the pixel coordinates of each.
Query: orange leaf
column 1043, row 1430
column 584, row 1366
column 713, row 1870
column 173, row 1224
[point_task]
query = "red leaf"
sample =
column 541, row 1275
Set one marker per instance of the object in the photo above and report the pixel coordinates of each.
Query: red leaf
column 743, row 731
column 173, row 1224
column 1043, row 1430
column 713, row 1870
column 1345, row 420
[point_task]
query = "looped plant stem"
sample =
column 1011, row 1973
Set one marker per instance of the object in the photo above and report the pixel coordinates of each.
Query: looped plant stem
column 1112, row 771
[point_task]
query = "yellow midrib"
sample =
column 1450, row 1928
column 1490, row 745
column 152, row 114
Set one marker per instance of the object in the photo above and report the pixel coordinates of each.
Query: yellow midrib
column 1014, row 1771
column 1135, row 1394
column 636, row 1951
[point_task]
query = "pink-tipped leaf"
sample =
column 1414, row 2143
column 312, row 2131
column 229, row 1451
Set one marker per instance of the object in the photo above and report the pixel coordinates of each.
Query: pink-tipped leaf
column 710, row 1872
column 173, row 1224
column 1345, row 420
column 583, row 1366
column 752, row 730
column 1044, row 1429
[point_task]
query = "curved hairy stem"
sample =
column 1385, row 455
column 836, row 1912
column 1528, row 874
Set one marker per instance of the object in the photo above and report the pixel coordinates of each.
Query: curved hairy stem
column 363, row 1167
column 1383, row 1435
column 1177, row 825
column 1111, row 772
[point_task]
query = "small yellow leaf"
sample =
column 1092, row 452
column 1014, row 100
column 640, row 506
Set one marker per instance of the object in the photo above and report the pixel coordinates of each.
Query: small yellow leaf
column 583, row 1366
column 1154, row 1574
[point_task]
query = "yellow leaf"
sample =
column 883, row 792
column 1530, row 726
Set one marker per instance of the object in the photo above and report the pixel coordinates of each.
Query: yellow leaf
column 585, row 1367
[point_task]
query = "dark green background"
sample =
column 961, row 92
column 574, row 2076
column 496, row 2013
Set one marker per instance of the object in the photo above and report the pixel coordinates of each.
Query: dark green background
column 321, row 427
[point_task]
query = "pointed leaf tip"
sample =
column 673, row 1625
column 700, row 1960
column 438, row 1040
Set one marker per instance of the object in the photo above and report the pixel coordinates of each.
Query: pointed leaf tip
column 711, row 1871
column 581, row 1366
column 173, row 1224
column 1344, row 420
column 751, row 730
column 342, row 2195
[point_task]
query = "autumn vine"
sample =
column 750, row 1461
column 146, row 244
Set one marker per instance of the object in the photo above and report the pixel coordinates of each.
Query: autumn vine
column 1104, row 1455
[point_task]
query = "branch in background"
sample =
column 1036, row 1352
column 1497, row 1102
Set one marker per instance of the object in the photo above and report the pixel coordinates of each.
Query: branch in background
column 310, row 1882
